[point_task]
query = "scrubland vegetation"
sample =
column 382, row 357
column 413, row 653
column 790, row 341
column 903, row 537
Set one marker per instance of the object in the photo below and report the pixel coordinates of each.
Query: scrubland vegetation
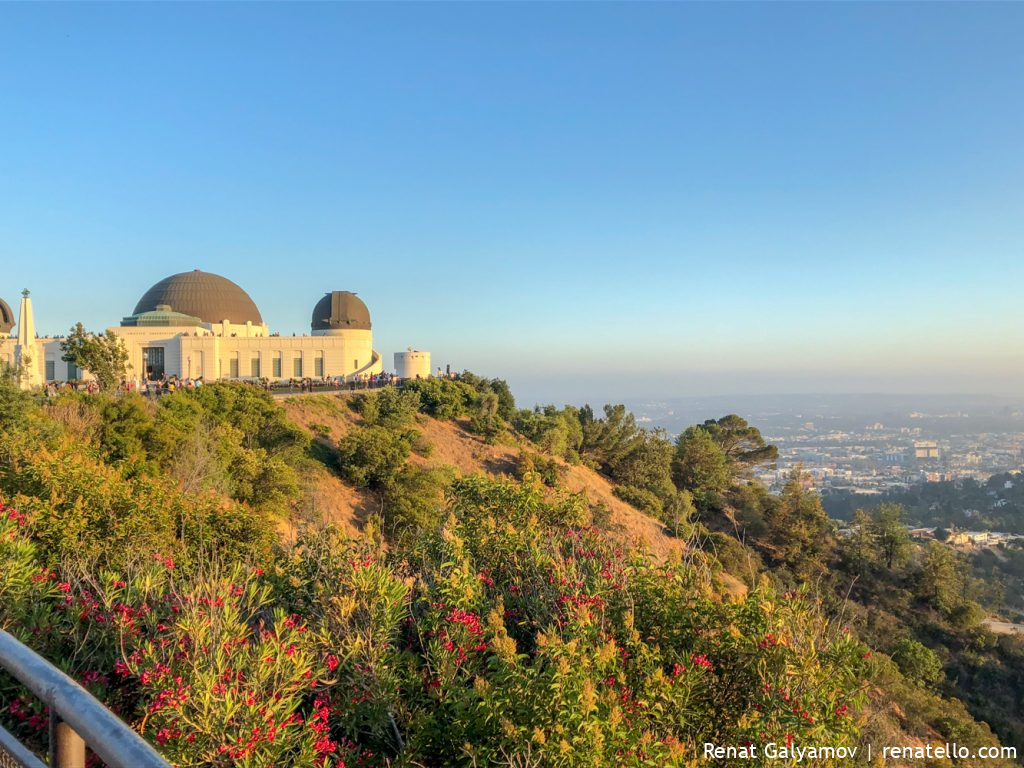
column 163, row 554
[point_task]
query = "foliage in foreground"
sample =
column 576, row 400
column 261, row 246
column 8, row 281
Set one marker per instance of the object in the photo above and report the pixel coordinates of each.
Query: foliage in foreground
column 514, row 629
column 495, row 626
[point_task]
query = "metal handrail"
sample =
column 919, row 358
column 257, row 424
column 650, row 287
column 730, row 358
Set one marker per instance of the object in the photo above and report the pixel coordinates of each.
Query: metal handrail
column 74, row 709
column 13, row 752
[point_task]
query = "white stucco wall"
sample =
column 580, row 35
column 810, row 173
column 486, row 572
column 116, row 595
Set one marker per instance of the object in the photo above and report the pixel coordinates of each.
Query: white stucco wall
column 195, row 352
column 412, row 364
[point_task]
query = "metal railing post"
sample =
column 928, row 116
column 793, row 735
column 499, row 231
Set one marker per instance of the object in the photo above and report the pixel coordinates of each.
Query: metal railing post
column 70, row 748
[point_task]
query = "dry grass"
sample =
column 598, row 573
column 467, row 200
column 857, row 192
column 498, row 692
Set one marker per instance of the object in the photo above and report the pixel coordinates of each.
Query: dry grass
column 317, row 411
column 453, row 445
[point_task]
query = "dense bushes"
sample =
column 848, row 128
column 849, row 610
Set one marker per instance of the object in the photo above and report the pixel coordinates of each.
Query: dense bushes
column 525, row 633
column 410, row 496
column 442, row 398
column 475, row 622
column 550, row 640
column 533, row 465
column 373, row 456
column 84, row 509
column 557, row 432
column 392, row 407
column 487, row 402
column 225, row 437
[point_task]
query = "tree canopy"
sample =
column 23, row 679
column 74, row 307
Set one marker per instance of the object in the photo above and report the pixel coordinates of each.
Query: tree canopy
column 739, row 441
column 102, row 355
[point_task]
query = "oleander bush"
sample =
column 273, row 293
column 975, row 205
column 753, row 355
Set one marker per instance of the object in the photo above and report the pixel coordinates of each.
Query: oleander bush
column 512, row 628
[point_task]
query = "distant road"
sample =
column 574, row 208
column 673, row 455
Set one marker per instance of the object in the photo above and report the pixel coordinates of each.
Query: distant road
column 1004, row 627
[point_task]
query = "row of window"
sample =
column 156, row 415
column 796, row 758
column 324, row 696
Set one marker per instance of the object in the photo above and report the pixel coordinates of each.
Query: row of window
column 256, row 370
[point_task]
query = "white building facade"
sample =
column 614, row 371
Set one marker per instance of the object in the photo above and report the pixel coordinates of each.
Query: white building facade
column 200, row 325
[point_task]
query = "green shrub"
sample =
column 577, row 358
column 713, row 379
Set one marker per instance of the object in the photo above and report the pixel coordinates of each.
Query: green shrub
column 390, row 407
column 414, row 501
column 441, row 398
column 85, row 510
column 554, row 431
column 14, row 402
column 484, row 419
column 917, row 662
column 373, row 456
column 548, row 470
column 641, row 499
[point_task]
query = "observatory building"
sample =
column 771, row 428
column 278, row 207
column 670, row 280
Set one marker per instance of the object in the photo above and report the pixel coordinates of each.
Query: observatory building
column 198, row 324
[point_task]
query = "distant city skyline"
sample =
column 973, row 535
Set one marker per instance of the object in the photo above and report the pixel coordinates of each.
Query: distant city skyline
column 593, row 201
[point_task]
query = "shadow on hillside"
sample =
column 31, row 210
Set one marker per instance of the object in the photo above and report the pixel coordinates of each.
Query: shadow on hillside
column 499, row 465
column 322, row 450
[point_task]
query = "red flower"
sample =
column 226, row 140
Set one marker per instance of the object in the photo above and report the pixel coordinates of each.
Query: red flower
column 700, row 660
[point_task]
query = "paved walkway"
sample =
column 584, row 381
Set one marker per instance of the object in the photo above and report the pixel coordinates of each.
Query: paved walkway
column 322, row 391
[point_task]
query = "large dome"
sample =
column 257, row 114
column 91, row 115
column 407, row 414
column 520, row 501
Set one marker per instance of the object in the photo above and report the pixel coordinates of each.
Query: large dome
column 6, row 317
column 209, row 297
column 339, row 311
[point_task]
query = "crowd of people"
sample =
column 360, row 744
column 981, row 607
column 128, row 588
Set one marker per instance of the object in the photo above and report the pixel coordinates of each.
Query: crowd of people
column 166, row 385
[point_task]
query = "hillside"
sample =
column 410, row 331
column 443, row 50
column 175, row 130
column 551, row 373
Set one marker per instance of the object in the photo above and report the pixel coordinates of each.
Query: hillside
column 329, row 417
column 485, row 591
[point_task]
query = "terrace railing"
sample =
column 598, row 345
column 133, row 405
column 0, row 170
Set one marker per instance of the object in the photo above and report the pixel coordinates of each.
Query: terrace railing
column 77, row 719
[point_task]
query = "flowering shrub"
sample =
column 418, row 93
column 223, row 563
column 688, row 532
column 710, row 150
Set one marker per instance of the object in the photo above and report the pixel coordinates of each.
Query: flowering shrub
column 514, row 631
column 546, row 637
column 358, row 606
column 20, row 587
column 225, row 682
column 207, row 668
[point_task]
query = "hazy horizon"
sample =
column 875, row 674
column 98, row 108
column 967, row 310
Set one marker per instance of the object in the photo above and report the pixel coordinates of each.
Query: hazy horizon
column 592, row 201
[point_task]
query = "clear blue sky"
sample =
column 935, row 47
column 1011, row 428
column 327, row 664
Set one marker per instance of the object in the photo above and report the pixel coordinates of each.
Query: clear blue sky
column 591, row 200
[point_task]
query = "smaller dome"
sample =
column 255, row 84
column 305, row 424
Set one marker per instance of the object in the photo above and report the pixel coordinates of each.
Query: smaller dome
column 340, row 311
column 6, row 317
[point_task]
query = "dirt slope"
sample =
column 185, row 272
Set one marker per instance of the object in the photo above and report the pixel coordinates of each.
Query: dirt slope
column 329, row 418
